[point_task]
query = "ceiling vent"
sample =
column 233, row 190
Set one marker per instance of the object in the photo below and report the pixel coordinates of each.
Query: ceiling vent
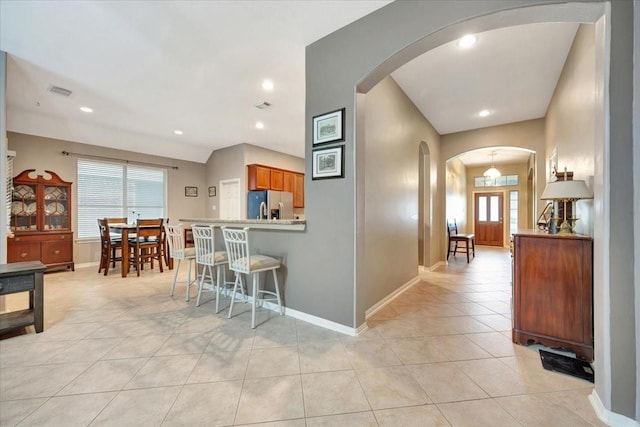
column 263, row 105
column 59, row 90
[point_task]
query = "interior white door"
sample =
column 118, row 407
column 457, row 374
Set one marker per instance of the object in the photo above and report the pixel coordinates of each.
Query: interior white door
column 230, row 199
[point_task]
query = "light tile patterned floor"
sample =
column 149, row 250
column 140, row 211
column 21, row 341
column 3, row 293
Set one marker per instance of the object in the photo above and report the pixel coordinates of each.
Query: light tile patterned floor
column 121, row 352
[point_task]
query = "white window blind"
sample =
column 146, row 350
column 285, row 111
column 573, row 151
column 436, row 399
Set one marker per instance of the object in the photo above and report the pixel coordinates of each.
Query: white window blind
column 116, row 190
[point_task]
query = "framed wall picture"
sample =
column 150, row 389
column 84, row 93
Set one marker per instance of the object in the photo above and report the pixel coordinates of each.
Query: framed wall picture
column 191, row 191
column 328, row 163
column 212, row 191
column 329, row 127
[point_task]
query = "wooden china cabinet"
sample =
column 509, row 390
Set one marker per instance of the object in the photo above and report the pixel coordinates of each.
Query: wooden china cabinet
column 41, row 220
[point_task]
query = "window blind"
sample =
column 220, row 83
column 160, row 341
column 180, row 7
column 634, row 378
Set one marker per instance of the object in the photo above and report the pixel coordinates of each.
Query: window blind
column 116, row 190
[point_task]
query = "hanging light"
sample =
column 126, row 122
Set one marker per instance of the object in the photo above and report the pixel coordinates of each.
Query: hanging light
column 492, row 172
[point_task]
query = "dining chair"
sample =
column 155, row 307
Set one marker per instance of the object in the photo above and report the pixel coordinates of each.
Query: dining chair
column 146, row 245
column 210, row 259
column 454, row 238
column 242, row 262
column 178, row 251
column 108, row 246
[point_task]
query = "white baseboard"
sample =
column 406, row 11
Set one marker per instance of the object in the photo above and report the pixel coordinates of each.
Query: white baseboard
column 386, row 300
column 608, row 417
column 437, row 265
column 86, row 265
column 309, row 318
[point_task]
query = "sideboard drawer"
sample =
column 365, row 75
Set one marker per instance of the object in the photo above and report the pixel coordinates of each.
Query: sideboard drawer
column 54, row 252
column 23, row 251
column 10, row 285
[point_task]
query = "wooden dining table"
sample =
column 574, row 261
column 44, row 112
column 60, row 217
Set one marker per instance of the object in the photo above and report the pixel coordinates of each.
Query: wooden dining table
column 124, row 230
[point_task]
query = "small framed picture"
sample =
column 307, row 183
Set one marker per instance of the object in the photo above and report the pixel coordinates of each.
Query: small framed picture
column 191, row 191
column 329, row 127
column 328, row 163
column 212, row 191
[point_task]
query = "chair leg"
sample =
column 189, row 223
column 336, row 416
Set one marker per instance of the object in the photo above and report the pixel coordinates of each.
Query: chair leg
column 256, row 287
column 218, row 288
column 175, row 277
column 188, row 279
column 275, row 281
column 233, row 295
column 467, row 248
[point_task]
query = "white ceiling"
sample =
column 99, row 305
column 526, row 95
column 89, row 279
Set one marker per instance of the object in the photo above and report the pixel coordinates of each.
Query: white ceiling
column 148, row 68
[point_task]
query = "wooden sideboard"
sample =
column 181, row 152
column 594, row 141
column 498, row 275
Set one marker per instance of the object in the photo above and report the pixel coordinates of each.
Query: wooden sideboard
column 553, row 291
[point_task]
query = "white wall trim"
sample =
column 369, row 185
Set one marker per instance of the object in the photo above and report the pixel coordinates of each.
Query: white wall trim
column 309, row 318
column 608, row 417
column 386, row 300
column 437, row 265
column 86, row 264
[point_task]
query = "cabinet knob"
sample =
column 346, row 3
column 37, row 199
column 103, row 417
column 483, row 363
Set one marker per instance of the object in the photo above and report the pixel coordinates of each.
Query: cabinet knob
column 23, row 255
column 18, row 239
column 57, row 251
column 61, row 237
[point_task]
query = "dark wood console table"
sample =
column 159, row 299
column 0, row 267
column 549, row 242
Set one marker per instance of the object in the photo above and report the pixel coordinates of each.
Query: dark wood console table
column 553, row 291
column 23, row 277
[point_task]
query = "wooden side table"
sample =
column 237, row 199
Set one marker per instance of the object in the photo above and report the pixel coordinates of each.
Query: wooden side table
column 23, row 277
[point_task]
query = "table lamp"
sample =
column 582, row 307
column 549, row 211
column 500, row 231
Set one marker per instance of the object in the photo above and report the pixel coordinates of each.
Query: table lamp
column 566, row 191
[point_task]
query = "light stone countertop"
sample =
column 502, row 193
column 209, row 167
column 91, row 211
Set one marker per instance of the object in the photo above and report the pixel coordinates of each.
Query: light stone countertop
column 264, row 224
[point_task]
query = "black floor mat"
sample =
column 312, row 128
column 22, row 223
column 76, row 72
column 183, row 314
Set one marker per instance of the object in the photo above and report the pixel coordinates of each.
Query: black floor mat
column 566, row 365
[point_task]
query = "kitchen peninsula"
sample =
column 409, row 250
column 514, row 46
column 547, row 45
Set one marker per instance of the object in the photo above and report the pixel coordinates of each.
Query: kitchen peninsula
column 257, row 224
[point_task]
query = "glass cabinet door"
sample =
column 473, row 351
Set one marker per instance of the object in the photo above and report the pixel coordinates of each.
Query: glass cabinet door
column 56, row 208
column 24, row 208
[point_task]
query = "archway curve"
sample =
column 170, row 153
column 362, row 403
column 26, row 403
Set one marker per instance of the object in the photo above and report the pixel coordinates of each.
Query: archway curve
column 578, row 13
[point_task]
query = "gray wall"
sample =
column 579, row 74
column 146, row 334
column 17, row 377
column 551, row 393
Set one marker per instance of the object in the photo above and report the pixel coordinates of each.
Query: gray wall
column 34, row 152
column 457, row 195
column 571, row 116
column 363, row 53
column 394, row 129
column 636, row 180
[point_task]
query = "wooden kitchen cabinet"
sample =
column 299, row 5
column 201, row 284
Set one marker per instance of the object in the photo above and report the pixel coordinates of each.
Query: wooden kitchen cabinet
column 298, row 190
column 260, row 177
column 277, row 180
column 41, row 220
column 288, row 182
column 553, row 291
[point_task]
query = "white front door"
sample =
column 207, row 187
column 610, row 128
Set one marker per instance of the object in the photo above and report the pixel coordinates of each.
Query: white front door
column 230, row 199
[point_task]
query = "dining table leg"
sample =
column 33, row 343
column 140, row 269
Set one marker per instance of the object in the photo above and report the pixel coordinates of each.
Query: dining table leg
column 125, row 253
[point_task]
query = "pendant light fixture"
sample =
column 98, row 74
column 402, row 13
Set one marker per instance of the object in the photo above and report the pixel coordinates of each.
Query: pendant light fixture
column 492, row 172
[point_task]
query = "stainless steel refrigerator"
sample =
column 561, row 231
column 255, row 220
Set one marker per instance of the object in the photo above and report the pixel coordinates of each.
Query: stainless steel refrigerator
column 267, row 204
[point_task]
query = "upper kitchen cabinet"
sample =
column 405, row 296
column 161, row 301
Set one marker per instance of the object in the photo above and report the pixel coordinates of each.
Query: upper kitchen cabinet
column 260, row 177
column 41, row 220
column 277, row 180
column 298, row 190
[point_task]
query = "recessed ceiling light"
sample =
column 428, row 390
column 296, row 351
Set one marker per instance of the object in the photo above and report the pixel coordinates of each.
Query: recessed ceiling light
column 484, row 113
column 267, row 85
column 86, row 109
column 467, row 41
column 259, row 125
column 178, row 132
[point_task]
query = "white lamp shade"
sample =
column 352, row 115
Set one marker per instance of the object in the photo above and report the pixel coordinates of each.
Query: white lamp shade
column 492, row 172
column 567, row 190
